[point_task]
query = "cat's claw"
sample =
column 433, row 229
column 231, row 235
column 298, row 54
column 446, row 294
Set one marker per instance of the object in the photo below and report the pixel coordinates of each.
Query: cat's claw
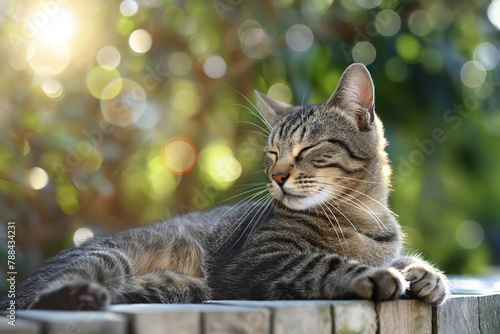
column 380, row 284
column 78, row 296
column 431, row 286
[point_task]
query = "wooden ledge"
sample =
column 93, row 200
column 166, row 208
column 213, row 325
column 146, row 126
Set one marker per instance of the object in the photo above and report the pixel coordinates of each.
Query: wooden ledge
column 461, row 314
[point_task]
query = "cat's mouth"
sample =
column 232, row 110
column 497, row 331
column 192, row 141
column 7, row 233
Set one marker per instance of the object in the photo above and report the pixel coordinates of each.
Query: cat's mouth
column 299, row 202
column 290, row 195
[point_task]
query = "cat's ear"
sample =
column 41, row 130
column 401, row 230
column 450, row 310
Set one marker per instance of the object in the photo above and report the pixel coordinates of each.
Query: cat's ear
column 272, row 109
column 356, row 95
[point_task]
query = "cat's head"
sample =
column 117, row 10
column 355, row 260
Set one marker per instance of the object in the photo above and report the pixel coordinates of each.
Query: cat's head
column 327, row 152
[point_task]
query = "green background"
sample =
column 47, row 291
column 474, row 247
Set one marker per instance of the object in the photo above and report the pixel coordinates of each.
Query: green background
column 434, row 65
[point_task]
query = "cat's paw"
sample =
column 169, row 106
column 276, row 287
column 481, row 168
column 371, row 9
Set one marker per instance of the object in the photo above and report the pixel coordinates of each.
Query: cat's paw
column 427, row 284
column 78, row 296
column 379, row 284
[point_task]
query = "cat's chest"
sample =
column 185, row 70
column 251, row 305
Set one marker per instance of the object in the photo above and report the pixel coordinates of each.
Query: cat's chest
column 373, row 248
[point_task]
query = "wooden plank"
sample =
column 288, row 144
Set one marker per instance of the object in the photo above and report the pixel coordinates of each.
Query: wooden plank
column 194, row 318
column 354, row 317
column 460, row 314
column 21, row 326
column 81, row 322
column 290, row 317
column 240, row 320
column 489, row 314
column 404, row 317
column 160, row 318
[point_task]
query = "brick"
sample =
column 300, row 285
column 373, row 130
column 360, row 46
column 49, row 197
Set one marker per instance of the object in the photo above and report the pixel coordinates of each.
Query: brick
column 405, row 316
column 354, row 317
column 54, row 322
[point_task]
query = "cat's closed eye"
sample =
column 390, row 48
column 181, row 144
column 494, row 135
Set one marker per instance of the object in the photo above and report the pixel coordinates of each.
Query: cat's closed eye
column 273, row 153
column 302, row 152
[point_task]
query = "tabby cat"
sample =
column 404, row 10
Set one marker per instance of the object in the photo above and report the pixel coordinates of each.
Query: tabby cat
column 324, row 233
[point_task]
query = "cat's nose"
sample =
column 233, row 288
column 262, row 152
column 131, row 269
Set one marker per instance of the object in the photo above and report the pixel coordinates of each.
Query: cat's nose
column 280, row 178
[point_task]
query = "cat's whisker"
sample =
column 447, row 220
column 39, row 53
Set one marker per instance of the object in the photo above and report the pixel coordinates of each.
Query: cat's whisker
column 243, row 193
column 256, row 132
column 241, row 203
column 354, row 227
column 263, row 205
column 369, row 197
column 346, row 178
column 338, row 223
column 258, row 114
column 268, row 208
column 250, row 184
column 256, row 109
column 361, row 193
column 374, row 177
column 341, row 196
column 331, row 223
column 331, row 187
column 241, row 220
column 260, row 127
column 361, row 206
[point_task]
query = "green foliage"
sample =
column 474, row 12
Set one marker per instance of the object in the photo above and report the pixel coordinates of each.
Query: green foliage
column 100, row 144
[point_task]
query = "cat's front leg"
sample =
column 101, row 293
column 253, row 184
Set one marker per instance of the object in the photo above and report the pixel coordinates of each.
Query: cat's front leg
column 425, row 282
column 379, row 284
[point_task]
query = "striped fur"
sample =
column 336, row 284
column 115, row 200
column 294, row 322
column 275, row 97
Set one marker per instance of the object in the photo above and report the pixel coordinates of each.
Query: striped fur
column 323, row 232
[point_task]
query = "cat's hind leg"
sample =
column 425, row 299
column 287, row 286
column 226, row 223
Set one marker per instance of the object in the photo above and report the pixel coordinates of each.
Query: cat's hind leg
column 84, row 278
column 165, row 286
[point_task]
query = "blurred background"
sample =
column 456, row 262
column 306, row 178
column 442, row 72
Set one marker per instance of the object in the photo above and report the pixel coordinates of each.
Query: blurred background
column 115, row 114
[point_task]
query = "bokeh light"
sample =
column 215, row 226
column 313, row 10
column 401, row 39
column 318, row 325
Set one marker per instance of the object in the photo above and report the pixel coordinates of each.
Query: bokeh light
column 185, row 99
column 409, row 48
column 140, row 41
column 93, row 90
column 48, row 58
column 179, row 156
column 473, row 74
column 299, row 37
column 315, row 8
column 369, row 4
column 396, row 69
column 108, row 57
column 254, row 40
column 364, row 52
column 283, row 3
column 280, row 92
column 128, row 7
column 210, row 158
column 188, row 26
column 52, row 88
column 81, row 235
column 38, row 178
column 387, row 22
column 214, row 67
column 470, row 235
column 487, row 54
column 494, row 13
column 98, row 78
column 127, row 104
column 180, row 63
column 58, row 26
column 229, row 169
column 421, row 23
